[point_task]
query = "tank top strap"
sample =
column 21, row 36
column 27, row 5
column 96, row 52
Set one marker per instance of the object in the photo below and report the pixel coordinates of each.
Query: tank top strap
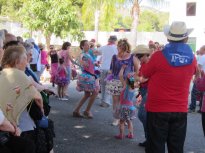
column 114, row 58
column 132, row 62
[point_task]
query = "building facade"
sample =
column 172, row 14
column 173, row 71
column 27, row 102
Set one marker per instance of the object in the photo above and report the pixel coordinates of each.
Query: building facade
column 192, row 12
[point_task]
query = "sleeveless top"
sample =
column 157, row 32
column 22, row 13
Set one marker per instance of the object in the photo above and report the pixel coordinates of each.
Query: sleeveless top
column 116, row 65
column 54, row 57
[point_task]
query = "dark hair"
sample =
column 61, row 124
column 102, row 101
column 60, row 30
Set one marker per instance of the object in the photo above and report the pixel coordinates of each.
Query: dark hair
column 131, row 83
column 180, row 41
column 11, row 43
column 19, row 38
column 51, row 46
column 92, row 45
column 141, row 55
column 82, row 43
column 65, row 45
column 152, row 46
column 61, row 60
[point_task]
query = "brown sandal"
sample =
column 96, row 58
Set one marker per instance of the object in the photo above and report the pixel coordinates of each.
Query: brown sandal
column 87, row 115
column 77, row 114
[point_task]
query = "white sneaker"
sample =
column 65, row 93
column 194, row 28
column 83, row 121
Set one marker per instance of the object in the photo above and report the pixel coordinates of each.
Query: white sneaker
column 59, row 98
column 64, row 99
column 115, row 122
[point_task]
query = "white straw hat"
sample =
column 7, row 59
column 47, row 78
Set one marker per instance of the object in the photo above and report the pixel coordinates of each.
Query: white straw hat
column 142, row 49
column 177, row 31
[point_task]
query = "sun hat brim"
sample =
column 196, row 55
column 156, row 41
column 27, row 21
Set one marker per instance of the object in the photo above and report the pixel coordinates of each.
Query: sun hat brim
column 176, row 37
column 141, row 49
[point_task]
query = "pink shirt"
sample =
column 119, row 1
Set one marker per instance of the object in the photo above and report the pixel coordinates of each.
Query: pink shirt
column 200, row 85
column 44, row 57
column 64, row 54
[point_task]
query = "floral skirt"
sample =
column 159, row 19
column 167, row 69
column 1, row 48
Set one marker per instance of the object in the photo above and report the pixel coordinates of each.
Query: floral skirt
column 61, row 81
column 87, row 82
column 125, row 112
column 113, row 87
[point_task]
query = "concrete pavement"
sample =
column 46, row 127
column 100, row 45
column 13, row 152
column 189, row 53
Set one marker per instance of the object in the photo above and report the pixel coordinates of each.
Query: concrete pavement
column 75, row 135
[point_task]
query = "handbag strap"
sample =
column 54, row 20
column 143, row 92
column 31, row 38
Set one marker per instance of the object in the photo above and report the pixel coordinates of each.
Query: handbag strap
column 30, row 106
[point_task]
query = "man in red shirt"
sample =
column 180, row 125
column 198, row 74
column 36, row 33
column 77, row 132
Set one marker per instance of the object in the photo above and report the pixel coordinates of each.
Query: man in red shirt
column 169, row 72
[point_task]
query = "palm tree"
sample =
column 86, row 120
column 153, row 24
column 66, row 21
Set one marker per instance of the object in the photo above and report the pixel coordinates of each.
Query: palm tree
column 96, row 8
column 135, row 12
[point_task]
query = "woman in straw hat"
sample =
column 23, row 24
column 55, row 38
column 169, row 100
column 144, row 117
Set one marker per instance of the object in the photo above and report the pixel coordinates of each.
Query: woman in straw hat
column 143, row 53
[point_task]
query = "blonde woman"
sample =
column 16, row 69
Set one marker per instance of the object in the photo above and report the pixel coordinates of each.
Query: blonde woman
column 114, row 85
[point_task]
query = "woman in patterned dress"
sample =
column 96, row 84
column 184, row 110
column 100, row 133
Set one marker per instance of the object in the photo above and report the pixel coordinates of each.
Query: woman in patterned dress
column 87, row 81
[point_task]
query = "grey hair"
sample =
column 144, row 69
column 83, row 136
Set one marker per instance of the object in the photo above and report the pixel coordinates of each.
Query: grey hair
column 28, row 46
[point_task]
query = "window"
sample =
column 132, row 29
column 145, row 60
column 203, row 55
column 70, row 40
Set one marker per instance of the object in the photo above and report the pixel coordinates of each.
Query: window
column 191, row 9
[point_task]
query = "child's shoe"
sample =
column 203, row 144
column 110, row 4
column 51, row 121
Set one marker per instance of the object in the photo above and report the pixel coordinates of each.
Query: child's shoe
column 120, row 136
column 130, row 136
column 115, row 122
column 64, row 99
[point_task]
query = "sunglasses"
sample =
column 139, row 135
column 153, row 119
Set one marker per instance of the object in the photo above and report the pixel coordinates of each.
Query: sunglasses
column 139, row 56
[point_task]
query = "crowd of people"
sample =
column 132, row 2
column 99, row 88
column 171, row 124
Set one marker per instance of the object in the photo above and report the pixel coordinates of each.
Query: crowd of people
column 24, row 106
column 115, row 71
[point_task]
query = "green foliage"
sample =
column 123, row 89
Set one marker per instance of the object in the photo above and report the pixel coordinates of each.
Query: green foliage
column 163, row 20
column 58, row 17
column 10, row 8
column 150, row 21
column 107, row 10
column 27, row 35
column 123, row 22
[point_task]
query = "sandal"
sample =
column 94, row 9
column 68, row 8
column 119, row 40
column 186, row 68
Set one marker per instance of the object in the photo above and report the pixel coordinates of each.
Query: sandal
column 130, row 136
column 88, row 115
column 77, row 114
column 120, row 136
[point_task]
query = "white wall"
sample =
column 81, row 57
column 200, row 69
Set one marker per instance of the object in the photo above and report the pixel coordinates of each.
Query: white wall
column 178, row 13
column 142, row 37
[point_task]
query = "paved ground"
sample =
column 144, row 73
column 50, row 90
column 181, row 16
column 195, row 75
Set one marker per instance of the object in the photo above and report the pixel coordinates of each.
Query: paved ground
column 96, row 136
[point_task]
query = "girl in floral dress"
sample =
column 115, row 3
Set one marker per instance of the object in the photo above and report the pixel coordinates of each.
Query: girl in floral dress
column 61, row 79
column 126, row 110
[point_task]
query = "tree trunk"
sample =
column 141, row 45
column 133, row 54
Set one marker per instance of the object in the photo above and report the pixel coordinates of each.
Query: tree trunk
column 97, row 15
column 48, row 40
column 135, row 17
